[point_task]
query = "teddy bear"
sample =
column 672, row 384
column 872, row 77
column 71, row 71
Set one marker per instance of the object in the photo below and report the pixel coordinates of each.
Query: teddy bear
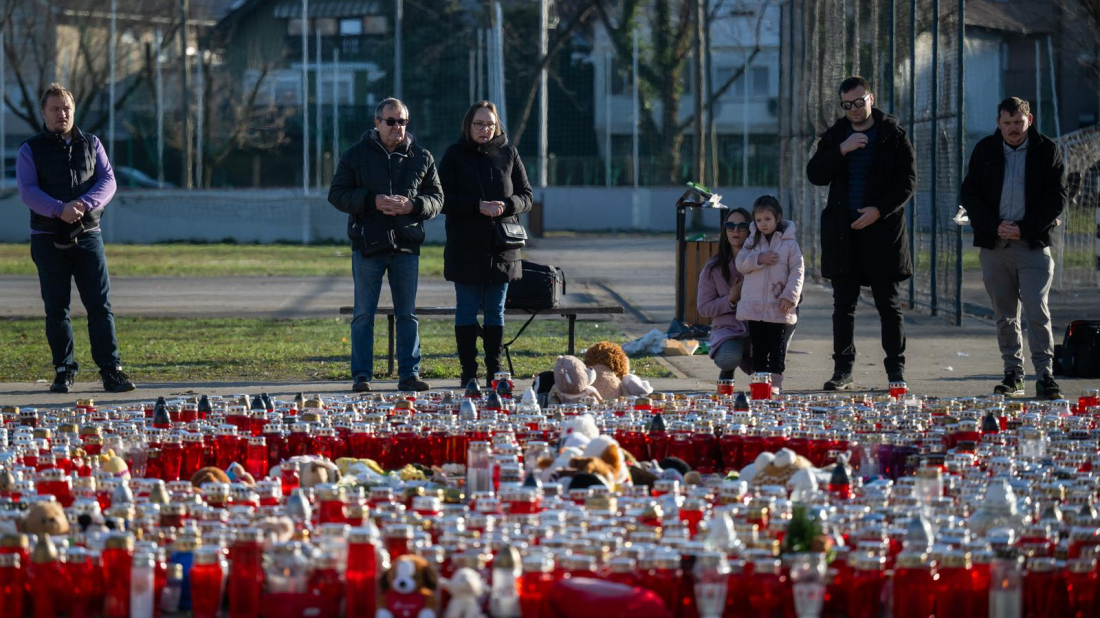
column 612, row 367
column 408, row 589
column 45, row 517
column 209, row 474
column 466, row 589
column 572, row 382
column 784, row 468
column 312, row 470
column 607, row 450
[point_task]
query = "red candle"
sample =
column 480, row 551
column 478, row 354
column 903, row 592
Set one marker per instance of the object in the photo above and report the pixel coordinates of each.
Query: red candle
column 1041, row 598
column 171, row 458
column 981, row 577
column 534, row 583
column 207, row 582
column 324, row 580
column 330, row 504
column 46, row 580
column 691, row 513
column 865, row 592
column 760, row 388
column 726, row 387
column 398, row 540
column 246, row 578
column 361, row 574
column 288, row 474
column 913, row 586
column 11, row 586
column 192, row 456
column 898, row 389
column 661, row 573
column 79, row 579
column 255, row 461
column 954, row 588
column 767, row 587
column 227, row 446
column 1083, row 589
column 118, row 558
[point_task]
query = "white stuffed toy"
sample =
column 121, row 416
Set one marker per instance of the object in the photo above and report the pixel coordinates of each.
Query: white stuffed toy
column 466, row 589
column 579, row 431
column 607, row 449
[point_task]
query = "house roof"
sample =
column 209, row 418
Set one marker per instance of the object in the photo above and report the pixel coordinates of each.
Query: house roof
column 1016, row 16
column 290, row 9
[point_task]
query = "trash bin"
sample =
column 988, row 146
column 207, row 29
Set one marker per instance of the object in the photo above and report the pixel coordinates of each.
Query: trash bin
column 692, row 255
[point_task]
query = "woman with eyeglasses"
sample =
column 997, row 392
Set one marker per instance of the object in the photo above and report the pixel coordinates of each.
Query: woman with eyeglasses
column 484, row 185
column 718, row 295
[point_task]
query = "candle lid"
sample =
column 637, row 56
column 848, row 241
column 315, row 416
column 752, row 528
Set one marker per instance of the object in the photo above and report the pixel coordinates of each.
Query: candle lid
column 120, row 540
column 8, row 561
column 208, row 555
column 913, row 560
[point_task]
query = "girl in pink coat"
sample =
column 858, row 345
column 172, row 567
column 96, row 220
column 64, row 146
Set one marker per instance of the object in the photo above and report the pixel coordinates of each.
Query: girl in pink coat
column 772, row 264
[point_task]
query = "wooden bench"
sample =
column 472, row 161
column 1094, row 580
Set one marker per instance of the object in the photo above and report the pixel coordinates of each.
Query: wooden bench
column 568, row 312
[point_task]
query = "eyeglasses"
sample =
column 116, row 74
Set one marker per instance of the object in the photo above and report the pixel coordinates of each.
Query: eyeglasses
column 395, row 121
column 481, row 126
column 740, row 227
column 858, row 103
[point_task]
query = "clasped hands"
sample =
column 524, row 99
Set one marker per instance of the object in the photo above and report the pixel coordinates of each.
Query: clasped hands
column 1008, row 230
column 491, row 209
column 73, row 211
column 393, row 205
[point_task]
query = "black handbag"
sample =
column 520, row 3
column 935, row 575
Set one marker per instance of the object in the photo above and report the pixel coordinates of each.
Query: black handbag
column 509, row 236
column 377, row 239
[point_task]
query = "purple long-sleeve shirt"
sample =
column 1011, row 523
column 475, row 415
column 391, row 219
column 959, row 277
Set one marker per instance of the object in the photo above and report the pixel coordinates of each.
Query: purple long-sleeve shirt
column 36, row 199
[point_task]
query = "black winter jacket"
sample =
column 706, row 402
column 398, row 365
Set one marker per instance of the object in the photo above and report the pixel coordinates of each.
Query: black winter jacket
column 1044, row 189
column 891, row 181
column 470, row 173
column 66, row 171
column 367, row 170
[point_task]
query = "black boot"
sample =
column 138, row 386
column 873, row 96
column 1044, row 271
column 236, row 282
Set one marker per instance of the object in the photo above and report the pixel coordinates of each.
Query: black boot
column 466, row 340
column 725, row 374
column 492, row 336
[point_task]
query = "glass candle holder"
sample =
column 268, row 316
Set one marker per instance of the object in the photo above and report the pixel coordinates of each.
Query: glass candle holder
column 760, row 388
column 246, row 577
column 807, row 576
column 361, row 574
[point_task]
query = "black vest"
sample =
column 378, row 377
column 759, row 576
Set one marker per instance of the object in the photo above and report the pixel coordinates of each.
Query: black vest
column 66, row 171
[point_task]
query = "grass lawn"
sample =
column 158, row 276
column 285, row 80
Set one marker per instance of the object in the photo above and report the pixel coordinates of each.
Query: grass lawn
column 220, row 260
column 166, row 350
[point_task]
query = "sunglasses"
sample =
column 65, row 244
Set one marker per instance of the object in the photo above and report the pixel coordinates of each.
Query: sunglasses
column 859, row 103
column 740, row 227
column 395, row 121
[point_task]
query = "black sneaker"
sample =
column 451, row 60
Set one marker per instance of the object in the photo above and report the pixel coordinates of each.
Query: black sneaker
column 63, row 381
column 839, row 382
column 895, row 377
column 362, row 385
column 1047, row 388
column 1011, row 386
column 116, row 381
column 413, row 383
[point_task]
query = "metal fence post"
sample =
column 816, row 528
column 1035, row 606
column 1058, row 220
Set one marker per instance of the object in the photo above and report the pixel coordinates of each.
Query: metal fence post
column 961, row 136
column 934, row 146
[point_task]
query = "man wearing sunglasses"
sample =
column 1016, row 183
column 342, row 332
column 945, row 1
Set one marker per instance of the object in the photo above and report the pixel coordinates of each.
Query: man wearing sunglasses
column 866, row 160
column 389, row 186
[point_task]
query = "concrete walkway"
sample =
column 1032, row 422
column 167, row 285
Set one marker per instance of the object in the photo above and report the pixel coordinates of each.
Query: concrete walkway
column 636, row 271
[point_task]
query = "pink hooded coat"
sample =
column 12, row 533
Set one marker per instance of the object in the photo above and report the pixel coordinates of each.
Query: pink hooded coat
column 765, row 286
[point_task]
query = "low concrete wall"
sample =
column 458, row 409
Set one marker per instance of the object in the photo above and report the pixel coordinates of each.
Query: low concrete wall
column 271, row 215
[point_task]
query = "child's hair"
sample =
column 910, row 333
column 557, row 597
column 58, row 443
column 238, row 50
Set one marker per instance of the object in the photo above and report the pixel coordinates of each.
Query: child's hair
column 771, row 204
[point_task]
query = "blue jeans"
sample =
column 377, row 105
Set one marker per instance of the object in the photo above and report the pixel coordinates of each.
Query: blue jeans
column 367, row 273
column 57, row 268
column 470, row 298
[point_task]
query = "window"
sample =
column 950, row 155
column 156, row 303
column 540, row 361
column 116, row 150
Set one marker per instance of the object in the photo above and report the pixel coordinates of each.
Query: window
column 759, row 82
column 326, row 26
column 351, row 27
column 278, row 88
column 294, row 27
column 343, row 88
column 375, row 24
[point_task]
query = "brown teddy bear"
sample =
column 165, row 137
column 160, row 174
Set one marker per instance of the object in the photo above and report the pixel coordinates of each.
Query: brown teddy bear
column 612, row 367
column 45, row 517
column 209, row 474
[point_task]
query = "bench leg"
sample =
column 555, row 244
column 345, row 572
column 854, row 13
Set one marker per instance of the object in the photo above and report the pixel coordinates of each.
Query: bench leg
column 572, row 334
column 390, row 322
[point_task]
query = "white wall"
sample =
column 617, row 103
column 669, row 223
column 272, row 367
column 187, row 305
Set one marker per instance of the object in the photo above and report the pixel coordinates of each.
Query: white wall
column 265, row 216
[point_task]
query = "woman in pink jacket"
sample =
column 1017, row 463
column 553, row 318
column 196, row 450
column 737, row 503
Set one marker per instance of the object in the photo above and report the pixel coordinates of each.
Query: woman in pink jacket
column 772, row 264
column 719, row 292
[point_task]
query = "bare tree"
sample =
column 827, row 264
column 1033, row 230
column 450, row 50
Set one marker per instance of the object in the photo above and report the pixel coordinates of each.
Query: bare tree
column 69, row 42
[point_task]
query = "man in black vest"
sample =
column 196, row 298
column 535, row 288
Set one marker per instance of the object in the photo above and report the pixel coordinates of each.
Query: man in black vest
column 65, row 180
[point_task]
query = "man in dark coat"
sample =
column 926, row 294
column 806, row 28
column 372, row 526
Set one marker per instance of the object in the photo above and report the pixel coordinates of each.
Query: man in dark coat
column 1014, row 192
column 66, row 181
column 867, row 162
column 389, row 186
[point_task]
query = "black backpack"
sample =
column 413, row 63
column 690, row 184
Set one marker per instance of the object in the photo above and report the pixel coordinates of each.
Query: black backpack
column 540, row 288
column 1079, row 354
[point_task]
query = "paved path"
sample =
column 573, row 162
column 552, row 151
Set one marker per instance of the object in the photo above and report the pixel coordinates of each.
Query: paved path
column 637, row 271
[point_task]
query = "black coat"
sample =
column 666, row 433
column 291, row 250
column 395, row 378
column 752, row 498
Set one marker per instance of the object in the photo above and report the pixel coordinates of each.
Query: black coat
column 1044, row 189
column 368, row 170
column 471, row 173
column 891, row 181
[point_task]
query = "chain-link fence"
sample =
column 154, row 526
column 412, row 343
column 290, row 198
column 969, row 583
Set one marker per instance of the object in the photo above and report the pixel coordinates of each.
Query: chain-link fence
column 1077, row 247
column 910, row 52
